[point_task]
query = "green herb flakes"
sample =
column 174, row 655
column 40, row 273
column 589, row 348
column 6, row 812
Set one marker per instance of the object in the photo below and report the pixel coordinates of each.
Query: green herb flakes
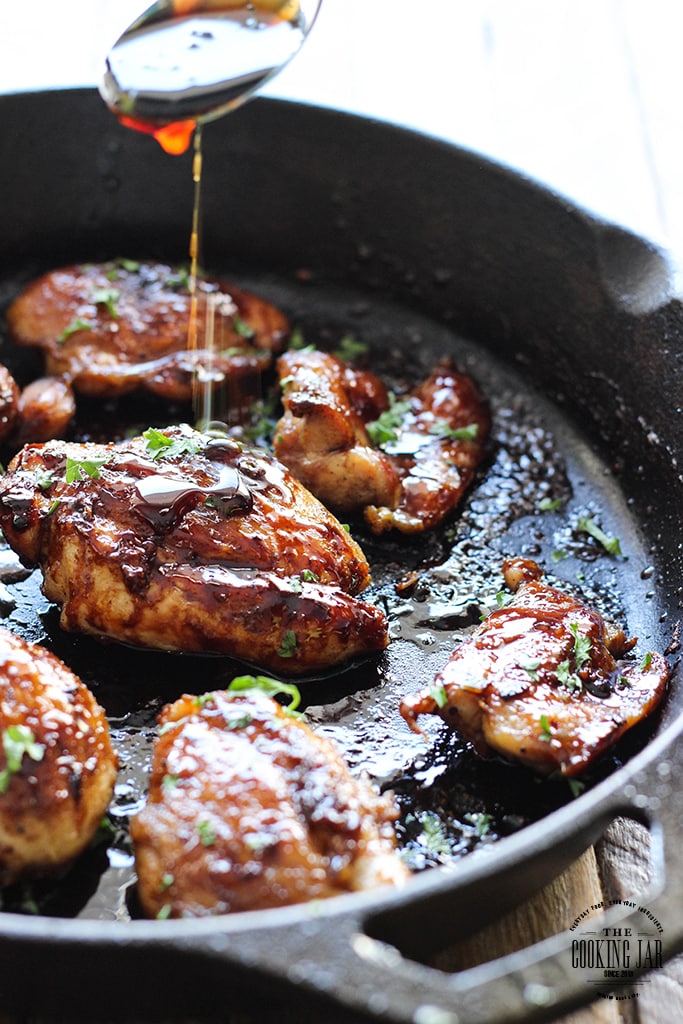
column 288, row 645
column 206, row 831
column 79, row 469
column 438, row 694
column 107, row 297
column 271, row 687
column 18, row 740
column 79, row 324
column 586, row 524
column 546, row 732
column 441, row 428
column 385, row 428
column 161, row 446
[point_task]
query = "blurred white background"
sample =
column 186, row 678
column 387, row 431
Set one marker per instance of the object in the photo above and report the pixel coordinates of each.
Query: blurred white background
column 582, row 95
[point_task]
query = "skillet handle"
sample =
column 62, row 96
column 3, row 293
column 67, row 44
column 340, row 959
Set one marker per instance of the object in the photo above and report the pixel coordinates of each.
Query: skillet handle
column 337, row 959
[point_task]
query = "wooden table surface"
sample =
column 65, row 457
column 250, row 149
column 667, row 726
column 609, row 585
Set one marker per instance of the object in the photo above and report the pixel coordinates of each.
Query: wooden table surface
column 581, row 95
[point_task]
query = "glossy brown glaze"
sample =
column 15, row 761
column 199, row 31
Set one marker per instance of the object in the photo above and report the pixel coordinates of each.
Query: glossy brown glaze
column 116, row 327
column 412, row 481
column 201, row 544
column 248, row 808
column 322, row 435
column 439, row 443
column 52, row 801
column 540, row 681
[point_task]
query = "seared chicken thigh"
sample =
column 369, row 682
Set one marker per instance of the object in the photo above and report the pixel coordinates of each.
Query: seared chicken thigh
column 539, row 682
column 428, row 443
column 57, row 765
column 248, row 808
column 322, row 437
column 115, row 327
column 183, row 541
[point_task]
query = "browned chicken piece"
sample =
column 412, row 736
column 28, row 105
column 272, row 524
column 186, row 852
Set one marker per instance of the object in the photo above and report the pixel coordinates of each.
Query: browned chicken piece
column 46, row 409
column 9, row 402
column 433, row 440
column 183, row 541
column 116, row 327
column 57, row 764
column 439, row 443
column 248, row 808
column 322, row 437
column 539, row 681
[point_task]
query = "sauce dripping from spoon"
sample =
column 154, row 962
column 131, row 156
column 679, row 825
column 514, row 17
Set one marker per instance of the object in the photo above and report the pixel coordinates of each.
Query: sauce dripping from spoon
column 185, row 62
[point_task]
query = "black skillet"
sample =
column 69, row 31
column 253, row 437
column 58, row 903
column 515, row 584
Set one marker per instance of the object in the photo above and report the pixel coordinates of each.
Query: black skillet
column 422, row 249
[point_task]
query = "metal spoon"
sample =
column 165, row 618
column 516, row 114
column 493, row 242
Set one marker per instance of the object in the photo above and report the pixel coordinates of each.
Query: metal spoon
column 192, row 61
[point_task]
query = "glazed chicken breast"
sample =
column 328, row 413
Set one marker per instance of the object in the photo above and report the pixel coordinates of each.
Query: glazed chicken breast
column 540, row 681
column 428, row 446
column 248, row 808
column 115, row 327
column 183, row 541
column 57, row 764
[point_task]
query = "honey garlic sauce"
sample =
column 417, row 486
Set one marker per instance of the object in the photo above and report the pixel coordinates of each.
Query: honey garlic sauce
column 190, row 61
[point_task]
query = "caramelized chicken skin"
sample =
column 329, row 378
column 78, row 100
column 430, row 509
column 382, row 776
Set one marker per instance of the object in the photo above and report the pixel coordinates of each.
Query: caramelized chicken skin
column 248, row 808
column 322, row 437
column 119, row 326
column 420, row 473
column 540, row 681
column 57, row 764
column 183, row 541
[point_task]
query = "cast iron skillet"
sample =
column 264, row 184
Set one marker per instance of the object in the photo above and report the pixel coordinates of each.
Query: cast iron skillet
column 582, row 312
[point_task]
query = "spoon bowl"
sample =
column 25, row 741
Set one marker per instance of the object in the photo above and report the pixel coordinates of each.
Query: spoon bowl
column 191, row 61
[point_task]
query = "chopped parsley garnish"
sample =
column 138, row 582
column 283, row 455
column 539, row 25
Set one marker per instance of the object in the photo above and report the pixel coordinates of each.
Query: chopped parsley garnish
column 79, row 324
column 79, row 469
column 481, row 822
column 441, row 428
column 558, row 555
column 107, row 297
column 546, row 733
column 566, row 677
column 582, row 647
column 242, row 328
column 164, row 912
column 18, row 740
column 167, row 880
column 646, row 662
column 576, row 787
column 530, row 666
column 161, row 446
column 271, row 687
column 54, row 505
column 550, row 504
column 207, row 834
column 180, row 279
column 581, row 654
column 44, row 479
column 288, row 646
column 169, row 781
column 350, row 348
column 308, row 576
column 588, row 525
column 131, row 266
column 433, row 834
column 438, row 694
column 297, row 340
column 385, row 428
